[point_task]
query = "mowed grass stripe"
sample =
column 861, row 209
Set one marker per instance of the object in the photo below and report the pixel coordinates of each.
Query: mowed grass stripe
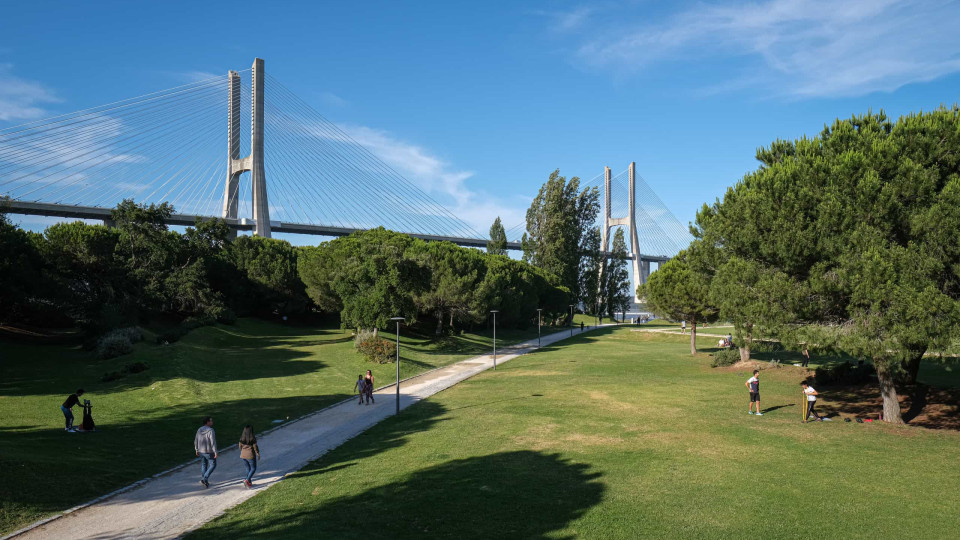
column 619, row 435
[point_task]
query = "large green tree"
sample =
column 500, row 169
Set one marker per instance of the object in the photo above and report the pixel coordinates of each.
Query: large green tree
column 678, row 291
column 556, row 222
column 860, row 226
column 593, row 274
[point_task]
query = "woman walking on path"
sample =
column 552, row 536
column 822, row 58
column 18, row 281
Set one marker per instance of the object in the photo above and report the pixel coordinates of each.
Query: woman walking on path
column 249, row 453
column 368, row 387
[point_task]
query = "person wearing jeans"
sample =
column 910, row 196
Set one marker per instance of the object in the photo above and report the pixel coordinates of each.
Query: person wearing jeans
column 811, row 401
column 205, row 446
column 67, row 409
column 249, row 453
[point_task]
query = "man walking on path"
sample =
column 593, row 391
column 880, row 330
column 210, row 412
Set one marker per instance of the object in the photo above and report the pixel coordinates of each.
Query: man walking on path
column 753, row 385
column 67, row 409
column 205, row 446
column 811, row 401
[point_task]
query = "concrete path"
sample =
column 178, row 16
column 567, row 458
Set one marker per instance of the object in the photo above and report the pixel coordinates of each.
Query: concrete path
column 174, row 503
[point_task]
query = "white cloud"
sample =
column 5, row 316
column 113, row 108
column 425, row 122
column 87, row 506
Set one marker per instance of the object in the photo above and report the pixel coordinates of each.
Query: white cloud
column 566, row 21
column 332, row 100
column 440, row 179
column 800, row 48
column 22, row 99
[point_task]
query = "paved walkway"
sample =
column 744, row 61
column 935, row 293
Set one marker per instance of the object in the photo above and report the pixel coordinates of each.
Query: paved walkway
column 172, row 504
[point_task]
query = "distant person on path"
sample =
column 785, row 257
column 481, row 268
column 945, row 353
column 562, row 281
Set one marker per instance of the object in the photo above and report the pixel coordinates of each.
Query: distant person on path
column 729, row 340
column 249, row 453
column 581, row 326
column 205, row 446
column 361, row 387
column 753, row 385
column 806, row 356
column 368, row 387
column 683, row 327
column 67, row 409
column 811, row 400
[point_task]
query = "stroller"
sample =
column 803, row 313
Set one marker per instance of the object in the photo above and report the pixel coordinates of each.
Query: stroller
column 87, row 423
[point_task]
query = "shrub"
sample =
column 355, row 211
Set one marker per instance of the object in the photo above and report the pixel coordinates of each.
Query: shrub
column 112, row 376
column 374, row 348
column 192, row 323
column 766, row 346
column 224, row 315
column 170, row 336
column 118, row 342
column 725, row 357
column 135, row 367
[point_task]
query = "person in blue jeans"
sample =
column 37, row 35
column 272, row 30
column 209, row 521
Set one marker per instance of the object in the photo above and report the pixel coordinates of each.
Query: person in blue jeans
column 205, row 446
column 249, row 453
column 67, row 409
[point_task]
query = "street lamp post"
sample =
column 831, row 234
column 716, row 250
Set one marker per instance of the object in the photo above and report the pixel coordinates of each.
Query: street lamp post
column 571, row 320
column 539, row 324
column 398, row 320
column 494, row 311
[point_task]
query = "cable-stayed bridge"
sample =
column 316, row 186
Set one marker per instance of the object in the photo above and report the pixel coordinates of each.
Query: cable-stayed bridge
column 297, row 172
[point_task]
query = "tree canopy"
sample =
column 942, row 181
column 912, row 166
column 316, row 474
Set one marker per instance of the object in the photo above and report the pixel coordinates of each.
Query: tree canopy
column 855, row 232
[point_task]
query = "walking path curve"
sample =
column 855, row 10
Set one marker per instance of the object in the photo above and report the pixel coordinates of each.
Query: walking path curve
column 173, row 503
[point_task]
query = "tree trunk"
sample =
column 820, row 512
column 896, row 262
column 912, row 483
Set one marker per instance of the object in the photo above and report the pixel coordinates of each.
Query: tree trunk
column 891, row 404
column 439, row 321
column 376, row 332
column 913, row 366
column 693, row 337
column 747, row 342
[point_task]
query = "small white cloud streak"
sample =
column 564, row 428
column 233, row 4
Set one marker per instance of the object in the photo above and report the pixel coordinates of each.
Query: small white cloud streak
column 21, row 99
column 439, row 179
column 800, row 48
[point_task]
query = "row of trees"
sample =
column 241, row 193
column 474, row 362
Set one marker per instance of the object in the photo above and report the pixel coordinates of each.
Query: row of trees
column 371, row 276
column 100, row 277
column 562, row 238
column 846, row 242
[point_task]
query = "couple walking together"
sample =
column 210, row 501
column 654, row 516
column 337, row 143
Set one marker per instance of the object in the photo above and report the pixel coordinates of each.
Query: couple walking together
column 205, row 446
column 364, row 388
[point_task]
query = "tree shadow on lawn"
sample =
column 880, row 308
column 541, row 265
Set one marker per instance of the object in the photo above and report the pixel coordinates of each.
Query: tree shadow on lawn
column 522, row 494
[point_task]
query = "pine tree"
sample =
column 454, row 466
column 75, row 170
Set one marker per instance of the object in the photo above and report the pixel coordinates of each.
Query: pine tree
column 497, row 245
column 618, row 280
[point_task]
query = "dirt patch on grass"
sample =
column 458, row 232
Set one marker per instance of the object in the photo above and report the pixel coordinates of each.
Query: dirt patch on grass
column 920, row 405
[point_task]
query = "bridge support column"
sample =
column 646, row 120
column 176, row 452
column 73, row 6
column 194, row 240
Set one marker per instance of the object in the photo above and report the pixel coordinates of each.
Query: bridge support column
column 261, row 208
column 641, row 269
column 235, row 166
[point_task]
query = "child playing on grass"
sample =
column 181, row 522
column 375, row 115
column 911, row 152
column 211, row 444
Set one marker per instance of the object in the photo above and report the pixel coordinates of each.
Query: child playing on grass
column 360, row 385
column 249, row 453
column 753, row 385
column 811, row 400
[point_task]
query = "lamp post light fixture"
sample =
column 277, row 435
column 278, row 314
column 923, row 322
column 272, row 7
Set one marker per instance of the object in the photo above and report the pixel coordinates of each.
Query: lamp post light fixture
column 539, row 324
column 398, row 320
column 494, row 311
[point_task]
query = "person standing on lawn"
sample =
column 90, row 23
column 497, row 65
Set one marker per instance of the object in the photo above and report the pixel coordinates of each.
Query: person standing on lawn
column 811, row 400
column 249, row 453
column 683, row 327
column 205, row 446
column 67, row 409
column 806, row 356
column 753, row 385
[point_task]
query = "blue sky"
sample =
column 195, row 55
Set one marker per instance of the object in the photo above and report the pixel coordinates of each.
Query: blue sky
column 478, row 102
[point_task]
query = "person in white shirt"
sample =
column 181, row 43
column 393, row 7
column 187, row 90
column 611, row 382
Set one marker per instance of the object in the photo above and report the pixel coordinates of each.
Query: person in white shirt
column 811, row 400
column 753, row 385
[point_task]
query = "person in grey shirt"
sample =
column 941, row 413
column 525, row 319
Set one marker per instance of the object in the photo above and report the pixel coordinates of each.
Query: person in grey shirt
column 205, row 446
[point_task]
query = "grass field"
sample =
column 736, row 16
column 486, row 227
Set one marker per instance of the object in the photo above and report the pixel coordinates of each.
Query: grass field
column 254, row 372
column 621, row 435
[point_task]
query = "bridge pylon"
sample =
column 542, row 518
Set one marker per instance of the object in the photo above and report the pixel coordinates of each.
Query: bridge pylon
column 254, row 162
column 641, row 268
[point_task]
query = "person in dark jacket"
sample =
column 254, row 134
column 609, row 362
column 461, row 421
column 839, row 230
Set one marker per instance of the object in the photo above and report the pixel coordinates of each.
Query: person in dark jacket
column 67, row 409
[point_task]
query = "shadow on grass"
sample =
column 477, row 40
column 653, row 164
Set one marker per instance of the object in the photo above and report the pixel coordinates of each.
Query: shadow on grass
column 523, row 494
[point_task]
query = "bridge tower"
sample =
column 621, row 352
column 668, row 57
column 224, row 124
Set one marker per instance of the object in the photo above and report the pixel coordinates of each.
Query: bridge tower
column 254, row 162
column 641, row 268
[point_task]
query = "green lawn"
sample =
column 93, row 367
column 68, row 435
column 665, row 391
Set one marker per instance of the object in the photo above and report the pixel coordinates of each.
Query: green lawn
column 254, row 372
column 621, row 435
